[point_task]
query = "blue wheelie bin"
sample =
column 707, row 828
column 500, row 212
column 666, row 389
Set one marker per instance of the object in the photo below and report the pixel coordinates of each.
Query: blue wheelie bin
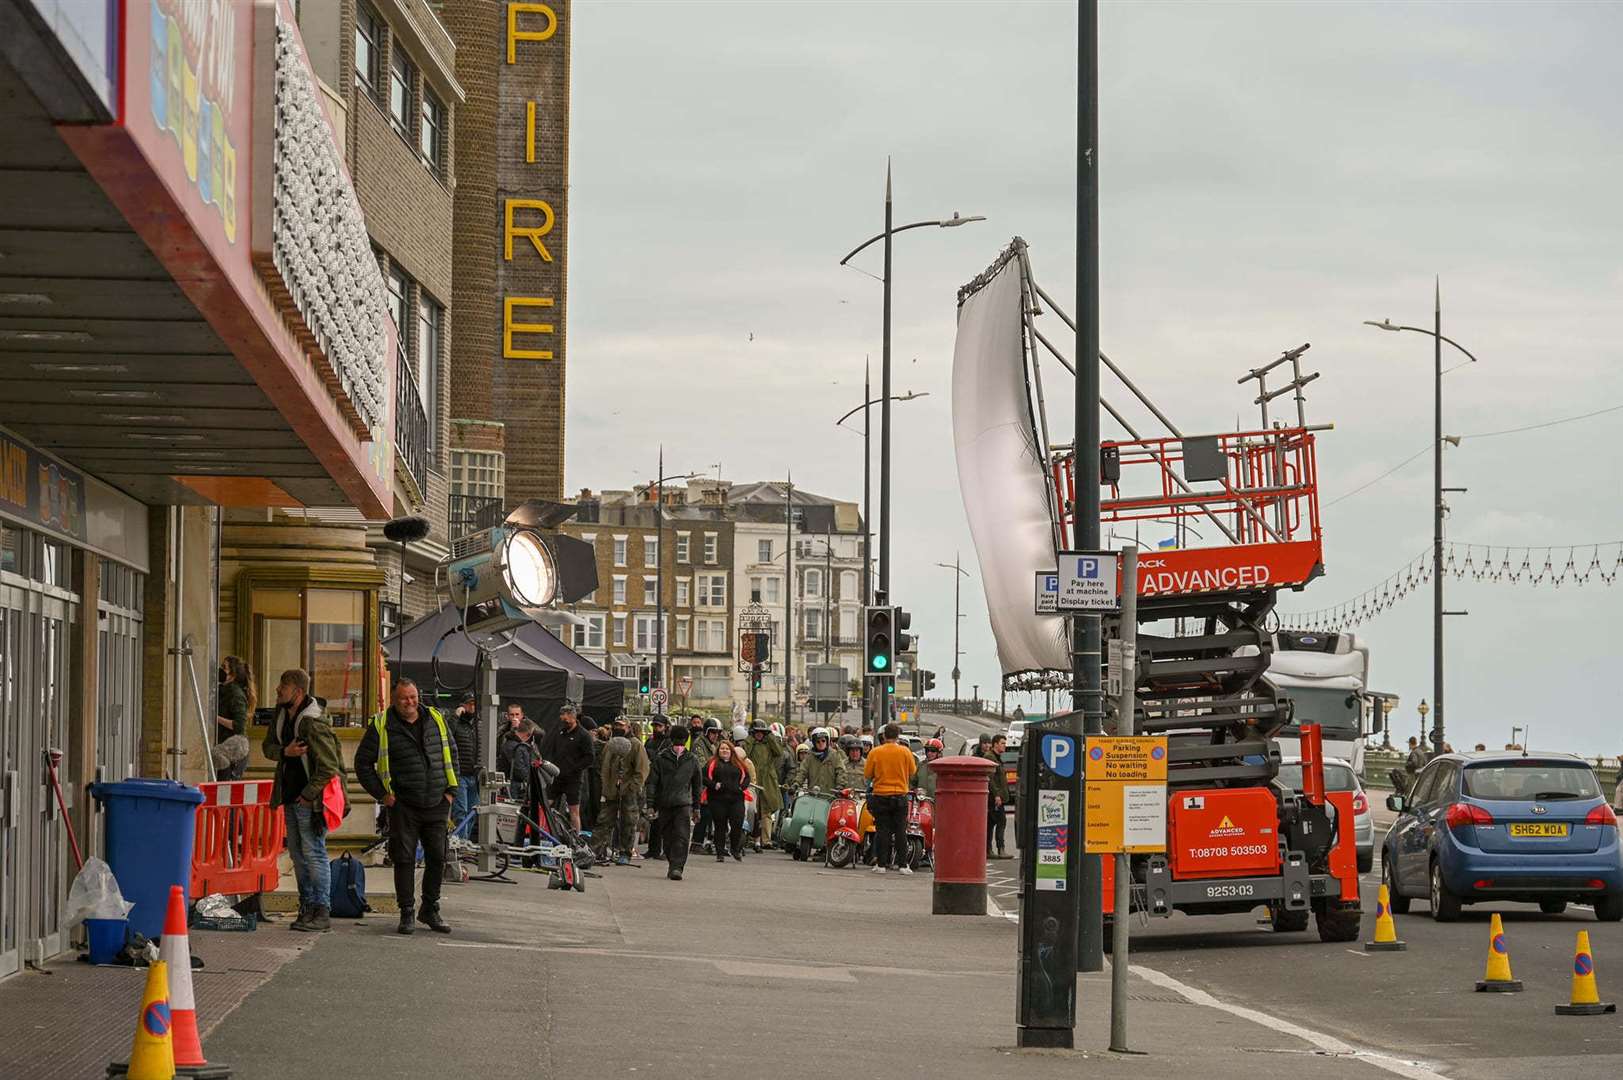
column 150, row 828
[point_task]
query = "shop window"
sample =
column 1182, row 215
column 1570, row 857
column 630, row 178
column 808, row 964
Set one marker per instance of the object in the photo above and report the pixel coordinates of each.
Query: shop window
column 296, row 619
column 336, row 653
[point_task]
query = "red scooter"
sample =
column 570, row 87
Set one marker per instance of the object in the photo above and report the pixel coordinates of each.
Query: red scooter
column 844, row 831
column 920, row 830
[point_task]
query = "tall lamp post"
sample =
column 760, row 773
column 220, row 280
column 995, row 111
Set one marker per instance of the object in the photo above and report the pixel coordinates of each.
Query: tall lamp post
column 959, row 573
column 1439, row 507
column 868, row 400
column 1422, row 709
column 659, row 564
column 884, row 372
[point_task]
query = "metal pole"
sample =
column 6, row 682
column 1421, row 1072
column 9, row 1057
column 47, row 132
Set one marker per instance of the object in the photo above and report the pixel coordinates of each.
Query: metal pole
column 1126, row 724
column 884, row 420
column 788, row 593
column 828, row 595
column 867, row 516
column 957, row 591
column 1086, row 693
column 1437, row 531
column 659, row 575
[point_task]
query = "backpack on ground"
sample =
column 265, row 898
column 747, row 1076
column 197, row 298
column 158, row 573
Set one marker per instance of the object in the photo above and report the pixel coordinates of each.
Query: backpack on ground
column 348, row 894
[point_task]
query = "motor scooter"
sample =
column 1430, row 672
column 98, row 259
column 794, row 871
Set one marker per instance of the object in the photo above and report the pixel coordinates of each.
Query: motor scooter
column 843, row 830
column 803, row 827
column 920, row 830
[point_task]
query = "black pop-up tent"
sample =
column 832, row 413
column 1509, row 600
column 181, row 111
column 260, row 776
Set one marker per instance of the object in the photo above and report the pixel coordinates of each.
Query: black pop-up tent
column 532, row 671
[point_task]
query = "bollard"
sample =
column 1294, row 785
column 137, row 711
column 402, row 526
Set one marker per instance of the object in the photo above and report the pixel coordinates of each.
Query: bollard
column 962, row 785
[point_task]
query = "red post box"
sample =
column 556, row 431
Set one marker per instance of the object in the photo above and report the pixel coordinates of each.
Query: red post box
column 961, row 790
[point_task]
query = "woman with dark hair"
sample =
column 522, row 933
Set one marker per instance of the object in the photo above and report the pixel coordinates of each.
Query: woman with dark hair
column 724, row 784
column 237, row 701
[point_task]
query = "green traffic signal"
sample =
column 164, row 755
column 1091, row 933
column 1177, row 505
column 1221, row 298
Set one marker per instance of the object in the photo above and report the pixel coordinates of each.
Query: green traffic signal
column 881, row 661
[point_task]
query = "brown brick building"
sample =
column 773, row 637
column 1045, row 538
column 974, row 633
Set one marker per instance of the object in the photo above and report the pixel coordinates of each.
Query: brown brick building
column 510, row 253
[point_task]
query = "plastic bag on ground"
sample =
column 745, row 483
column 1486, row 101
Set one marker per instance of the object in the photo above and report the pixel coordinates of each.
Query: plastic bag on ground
column 95, row 895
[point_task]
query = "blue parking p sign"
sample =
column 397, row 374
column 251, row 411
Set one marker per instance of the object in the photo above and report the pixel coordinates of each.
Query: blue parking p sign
column 1059, row 754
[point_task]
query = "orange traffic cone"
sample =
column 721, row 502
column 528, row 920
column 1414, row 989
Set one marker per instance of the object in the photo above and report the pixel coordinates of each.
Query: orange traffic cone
column 1386, row 931
column 176, row 951
column 1498, row 979
column 1585, row 999
column 152, row 1057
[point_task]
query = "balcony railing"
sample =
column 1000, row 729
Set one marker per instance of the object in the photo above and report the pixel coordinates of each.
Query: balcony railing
column 470, row 513
column 410, row 424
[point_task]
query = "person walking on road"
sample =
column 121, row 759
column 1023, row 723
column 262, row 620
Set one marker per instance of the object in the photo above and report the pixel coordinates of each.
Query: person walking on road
column 659, row 737
column 569, row 749
column 673, row 794
column 767, row 751
column 890, row 767
column 1416, row 759
column 307, row 756
column 624, row 774
column 725, row 781
column 465, row 730
column 997, row 798
column 407, row 761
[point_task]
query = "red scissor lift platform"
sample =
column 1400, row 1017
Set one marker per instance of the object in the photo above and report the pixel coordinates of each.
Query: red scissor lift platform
column 1243, row 509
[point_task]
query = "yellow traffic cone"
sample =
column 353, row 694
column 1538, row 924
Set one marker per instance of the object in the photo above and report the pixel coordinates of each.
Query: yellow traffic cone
column 1386, row 931
column 1585, row 998
column 152, row 1057
column 1498, row 979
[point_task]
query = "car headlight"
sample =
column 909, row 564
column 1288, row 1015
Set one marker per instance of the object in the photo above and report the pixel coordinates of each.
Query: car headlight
column 531, row 575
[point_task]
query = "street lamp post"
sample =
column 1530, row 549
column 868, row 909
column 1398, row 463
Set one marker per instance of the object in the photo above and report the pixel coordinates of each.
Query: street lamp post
column 868, row 401
column 959, row 573
column 884, row 390
column 1439, row 507
column 659, row 567
column 1422, row 709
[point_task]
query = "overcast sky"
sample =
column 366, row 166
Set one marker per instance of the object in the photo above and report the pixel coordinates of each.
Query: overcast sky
column 1271, row 174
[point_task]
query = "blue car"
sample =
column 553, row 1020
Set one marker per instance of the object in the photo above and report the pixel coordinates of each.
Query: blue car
column 1480, row 828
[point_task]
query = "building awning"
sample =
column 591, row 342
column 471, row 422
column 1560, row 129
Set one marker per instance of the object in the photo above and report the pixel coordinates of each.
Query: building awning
column 145, row 337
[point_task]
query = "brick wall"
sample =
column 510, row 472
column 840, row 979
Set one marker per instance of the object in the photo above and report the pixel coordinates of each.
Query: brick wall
column 525, row 394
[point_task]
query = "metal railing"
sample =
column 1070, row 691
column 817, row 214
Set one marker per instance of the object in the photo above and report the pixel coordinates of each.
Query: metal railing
column 410, row 423
column 468, row 513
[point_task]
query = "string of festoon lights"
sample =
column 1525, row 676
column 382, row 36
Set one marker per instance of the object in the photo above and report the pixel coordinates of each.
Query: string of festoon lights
column 1537, row 566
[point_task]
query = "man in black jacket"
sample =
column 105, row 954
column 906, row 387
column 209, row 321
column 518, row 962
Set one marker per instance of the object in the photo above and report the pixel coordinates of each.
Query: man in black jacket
column 407, row 761
column 465, row 730
column 569, row 749
column 658, row 739
column 673, row 794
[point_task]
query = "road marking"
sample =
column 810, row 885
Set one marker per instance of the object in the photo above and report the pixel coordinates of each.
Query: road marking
column 1329, row 1044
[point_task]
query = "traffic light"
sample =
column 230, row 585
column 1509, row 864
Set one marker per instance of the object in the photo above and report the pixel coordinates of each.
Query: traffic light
column 645, row 678
column 755, row 678
column 880, row 640
column 904, row 619
column 926, row 682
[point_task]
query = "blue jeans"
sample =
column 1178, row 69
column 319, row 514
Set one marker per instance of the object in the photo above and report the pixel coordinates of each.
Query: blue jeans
column 307, row 847
column 467, row 797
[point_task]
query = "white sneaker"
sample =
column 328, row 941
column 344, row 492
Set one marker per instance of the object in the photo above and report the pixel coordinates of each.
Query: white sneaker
column 905, row 870
column 879, row 869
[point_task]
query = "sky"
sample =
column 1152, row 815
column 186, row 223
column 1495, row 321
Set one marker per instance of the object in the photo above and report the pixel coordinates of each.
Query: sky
column 1271, row 174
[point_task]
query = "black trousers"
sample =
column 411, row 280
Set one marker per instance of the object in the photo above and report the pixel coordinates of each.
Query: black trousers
column 890, row 827
column 674, row 827
column 409, row 826
column 702, row 830
column 728, row 821
column 997, row 824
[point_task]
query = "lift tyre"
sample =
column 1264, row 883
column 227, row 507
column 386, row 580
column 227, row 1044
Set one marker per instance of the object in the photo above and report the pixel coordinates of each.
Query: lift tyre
column 1341, row 925
column 1286, row 922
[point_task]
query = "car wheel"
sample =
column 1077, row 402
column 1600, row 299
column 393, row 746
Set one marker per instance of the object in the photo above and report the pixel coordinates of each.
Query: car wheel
column 1400, row 903
column 1609, row 908
column 1445, row 906
column 1552, row 907
column 1366, row 861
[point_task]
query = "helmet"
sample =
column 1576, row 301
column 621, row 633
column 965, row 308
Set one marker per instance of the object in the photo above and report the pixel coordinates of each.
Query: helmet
column 739, row 733
column 759, row 725
column 777, row 729
column 932, row 744
column 867, row 741
column 712, row 724
column 803, row 748
column 819, row 733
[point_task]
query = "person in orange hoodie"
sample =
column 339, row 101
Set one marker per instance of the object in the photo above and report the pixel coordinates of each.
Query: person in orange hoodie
column 890, row 770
